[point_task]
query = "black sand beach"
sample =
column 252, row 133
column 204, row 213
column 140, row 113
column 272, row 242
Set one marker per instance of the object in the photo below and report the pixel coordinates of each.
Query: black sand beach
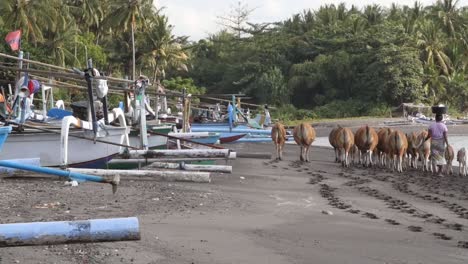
column 265, row 212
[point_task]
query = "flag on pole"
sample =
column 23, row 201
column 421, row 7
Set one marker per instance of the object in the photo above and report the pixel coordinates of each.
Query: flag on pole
column 13, row 39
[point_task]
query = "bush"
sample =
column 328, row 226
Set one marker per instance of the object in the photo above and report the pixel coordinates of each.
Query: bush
column 340, row 109
column 289, row 112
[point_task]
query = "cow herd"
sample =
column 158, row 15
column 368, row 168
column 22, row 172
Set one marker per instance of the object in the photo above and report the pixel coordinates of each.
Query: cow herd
column 387, row 148
column 304, row 135
column 392, row 149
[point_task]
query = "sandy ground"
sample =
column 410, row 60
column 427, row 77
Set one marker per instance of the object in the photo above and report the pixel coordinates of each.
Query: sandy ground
column 265, row 212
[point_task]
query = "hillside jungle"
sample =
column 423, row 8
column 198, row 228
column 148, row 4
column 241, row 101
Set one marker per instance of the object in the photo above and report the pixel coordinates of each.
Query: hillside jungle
column 333, row 62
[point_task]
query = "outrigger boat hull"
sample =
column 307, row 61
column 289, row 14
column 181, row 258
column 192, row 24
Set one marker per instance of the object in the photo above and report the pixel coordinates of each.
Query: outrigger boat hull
column 82, row 153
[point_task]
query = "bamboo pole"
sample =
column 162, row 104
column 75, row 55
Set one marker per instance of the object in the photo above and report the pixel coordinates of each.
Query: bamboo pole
column 65, row 232
column 144, row 161
column 186, row 140
column 171, row 176
column 176, row 153
column 191, row 167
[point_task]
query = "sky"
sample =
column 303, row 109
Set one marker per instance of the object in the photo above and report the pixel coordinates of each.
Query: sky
column 199, row 18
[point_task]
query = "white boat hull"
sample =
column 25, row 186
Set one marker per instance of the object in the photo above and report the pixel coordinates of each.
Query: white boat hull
column 46, row 146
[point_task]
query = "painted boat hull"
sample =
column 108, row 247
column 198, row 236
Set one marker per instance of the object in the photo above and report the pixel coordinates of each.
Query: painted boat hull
column 46, row 146
column 200, row 137
column 230, row 137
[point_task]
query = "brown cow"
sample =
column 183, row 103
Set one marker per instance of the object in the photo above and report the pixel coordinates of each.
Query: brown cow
column 344, row 138
column 382, row 145
column 304, row 135
column 398, row 145
column 366, row 139
column 449, row 155
column 278, row 135
column 413, row 149
column 331, row 139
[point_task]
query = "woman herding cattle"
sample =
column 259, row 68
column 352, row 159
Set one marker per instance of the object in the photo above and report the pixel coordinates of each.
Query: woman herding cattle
column 438, row 135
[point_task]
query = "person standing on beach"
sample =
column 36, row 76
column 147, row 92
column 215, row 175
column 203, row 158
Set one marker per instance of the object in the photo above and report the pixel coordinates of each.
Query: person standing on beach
column 438, row 135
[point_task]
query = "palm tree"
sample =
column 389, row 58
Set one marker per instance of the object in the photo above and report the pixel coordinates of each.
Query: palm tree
column 32, row 17
column 412, row 17
column 373, row 14
column 129, row 14
column 61, row 52
column 430, row 40
column 88, row 13
column 163, row 50
column 446, row 12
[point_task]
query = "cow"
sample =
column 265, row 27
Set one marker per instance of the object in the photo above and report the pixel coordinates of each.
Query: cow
column 366, row 139
column 344, row 139
column 398, row 144
column 278, row 135
column 413, row 150
column 353, row 152
column 462, row 160
column 304, row 135
column 424, row 150
column 331, row 139
column 449, row 155
column 382, row 145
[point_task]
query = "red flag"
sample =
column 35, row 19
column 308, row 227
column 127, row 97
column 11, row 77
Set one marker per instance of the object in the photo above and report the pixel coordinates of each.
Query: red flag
column 13, row 39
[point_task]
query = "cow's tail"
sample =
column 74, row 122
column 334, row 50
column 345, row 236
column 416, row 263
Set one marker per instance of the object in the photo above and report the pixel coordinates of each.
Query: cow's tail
column 345, row 137
column 368, row 139
column 303, row 134
column 276, row 132
column 397, row 141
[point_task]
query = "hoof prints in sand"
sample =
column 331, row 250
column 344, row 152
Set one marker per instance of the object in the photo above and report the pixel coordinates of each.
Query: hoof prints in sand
column 455, row 208
column 317, row 178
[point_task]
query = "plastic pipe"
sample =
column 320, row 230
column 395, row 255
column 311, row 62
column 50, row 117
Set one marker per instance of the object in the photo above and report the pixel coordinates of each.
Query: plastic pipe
column 68, row 174
column 87, row 231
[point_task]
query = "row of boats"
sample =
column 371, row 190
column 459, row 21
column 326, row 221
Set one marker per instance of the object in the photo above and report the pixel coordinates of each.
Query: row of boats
column 65, row 138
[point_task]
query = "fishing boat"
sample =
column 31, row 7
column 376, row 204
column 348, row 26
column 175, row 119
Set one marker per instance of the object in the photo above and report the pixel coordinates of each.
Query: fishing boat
column 68, row 147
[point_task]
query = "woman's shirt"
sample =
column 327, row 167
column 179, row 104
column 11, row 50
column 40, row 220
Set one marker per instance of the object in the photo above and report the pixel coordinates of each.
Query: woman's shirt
column 437, row 130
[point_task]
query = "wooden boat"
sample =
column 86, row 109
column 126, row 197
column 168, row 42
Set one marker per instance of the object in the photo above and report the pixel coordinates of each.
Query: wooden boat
column 47, row 147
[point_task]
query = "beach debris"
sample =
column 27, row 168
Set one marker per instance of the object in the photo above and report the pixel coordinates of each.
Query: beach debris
column 71, row 183
column 47, row 205
column 326, row 212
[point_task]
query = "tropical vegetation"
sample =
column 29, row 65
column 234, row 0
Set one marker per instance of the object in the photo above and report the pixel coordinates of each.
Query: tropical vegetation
column 337, row 61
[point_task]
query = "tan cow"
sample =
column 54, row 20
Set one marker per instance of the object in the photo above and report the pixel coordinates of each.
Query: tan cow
column 353, row 152
column 413, row 150
column 382, row 145
column 304, row 135
column 366, row 139
column 331, row 139
column 425, row 150
column 449, row 155
column 462, row 160
column 344, row 139
column 398, row 145
column 278, row 135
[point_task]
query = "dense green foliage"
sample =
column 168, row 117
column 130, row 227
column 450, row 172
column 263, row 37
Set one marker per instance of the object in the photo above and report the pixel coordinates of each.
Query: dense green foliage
column 342, row 61
column 339, row 61
column 66, row 32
